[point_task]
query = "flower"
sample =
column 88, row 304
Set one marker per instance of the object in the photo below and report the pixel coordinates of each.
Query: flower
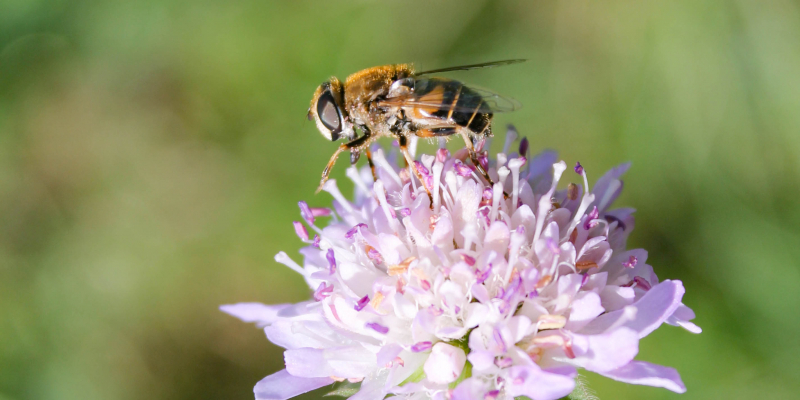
column 478, row 292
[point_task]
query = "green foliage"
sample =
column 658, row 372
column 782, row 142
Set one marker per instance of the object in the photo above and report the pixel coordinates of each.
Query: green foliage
column 344, row 389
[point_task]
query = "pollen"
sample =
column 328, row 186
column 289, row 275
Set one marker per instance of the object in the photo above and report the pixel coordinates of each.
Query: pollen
column 401, row 268
column 549, row 321
column 544, row 281
column 585, row 265
column 376, row 301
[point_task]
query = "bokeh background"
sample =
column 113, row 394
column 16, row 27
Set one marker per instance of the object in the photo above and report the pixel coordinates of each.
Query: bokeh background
column 152, row 154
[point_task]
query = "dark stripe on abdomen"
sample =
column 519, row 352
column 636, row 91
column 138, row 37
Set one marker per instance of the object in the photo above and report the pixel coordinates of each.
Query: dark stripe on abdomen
column 470, row 100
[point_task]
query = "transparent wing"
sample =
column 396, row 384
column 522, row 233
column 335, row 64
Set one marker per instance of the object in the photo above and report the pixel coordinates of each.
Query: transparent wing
column 447, row 94
column 491, row 64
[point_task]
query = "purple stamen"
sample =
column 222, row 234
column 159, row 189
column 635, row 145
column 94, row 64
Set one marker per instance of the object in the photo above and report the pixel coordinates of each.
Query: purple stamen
column 425, row 285
column 484, row 212
column 590, row 219
column 320, row 212
column 468, row 259
column 331, row 261
column 487, row 193
column 579, row 168
column 377, row 327
column 632, row 260
column 641, row 282
column 503, row 362
column 513, row 288
column 305, row 212
column 479, row 145
column 300, row 230
column 323, row 291
column 421, row 346
column 498, row 337
column 491, row 395
column 436, row 311
column 421, row 168
column 442, row 155
column 461, row 169
column 523, row 146
column 553, row 246
column 405, row 212
column 354, row 230
column 483, row 159
column 362, row 302
column 483, row 275
column 317, row 239
column 374, row 255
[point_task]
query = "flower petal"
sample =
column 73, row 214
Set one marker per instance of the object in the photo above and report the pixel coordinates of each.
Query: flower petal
column 445, row 363
column 346, row 362
column 261, row 314
column 585, row 308
column 658, row 304
column 470, row 389
column 373, row 387
column 296, row 334
column 681, row 318
column 644, row 373
column 538, row 384
column 282, row 385
column 606, row 351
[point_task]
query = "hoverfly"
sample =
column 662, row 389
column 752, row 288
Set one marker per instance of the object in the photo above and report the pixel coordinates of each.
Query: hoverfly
column 395, row 101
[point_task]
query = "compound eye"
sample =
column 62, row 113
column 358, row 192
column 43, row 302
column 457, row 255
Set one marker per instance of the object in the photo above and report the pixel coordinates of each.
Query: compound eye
column 328, row 113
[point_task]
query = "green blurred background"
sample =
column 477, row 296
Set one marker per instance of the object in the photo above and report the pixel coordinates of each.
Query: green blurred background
column 152, row 154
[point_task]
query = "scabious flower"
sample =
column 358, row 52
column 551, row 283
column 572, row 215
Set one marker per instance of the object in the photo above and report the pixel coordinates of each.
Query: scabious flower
column 482, row 292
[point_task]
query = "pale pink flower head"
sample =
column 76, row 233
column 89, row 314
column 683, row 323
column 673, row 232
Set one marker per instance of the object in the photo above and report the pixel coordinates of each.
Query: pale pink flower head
column 479, row 292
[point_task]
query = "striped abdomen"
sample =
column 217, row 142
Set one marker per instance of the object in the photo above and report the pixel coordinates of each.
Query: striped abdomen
column 450, row 102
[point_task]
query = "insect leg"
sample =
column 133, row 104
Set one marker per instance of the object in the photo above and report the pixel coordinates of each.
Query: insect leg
column 473, row 155
column 371, row 164
column 354, row 146
column 410, row 161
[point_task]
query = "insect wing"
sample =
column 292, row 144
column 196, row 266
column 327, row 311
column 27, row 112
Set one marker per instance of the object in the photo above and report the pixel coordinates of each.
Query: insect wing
column 473, row 66
column 444, row 94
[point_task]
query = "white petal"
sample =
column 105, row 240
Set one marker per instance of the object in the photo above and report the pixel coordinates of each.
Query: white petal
column 497, row 237
column 652, row 310
column 481, row 360
column 519, row 327
column 281, row 386
column 373, row 387
column 681, row 318
column 585, row 308
column 644, row 373
column 445, row 363
column 297, row 334
column 261, row 314
column 606, row 351
column 616, row 297
column 357, row 277
column 538, row 384
column 346, row 362
column 470, row 389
